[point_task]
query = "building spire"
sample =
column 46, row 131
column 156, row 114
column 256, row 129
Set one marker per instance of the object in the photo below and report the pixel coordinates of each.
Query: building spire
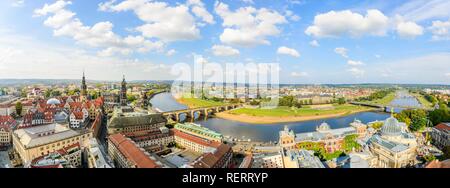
column 83, row 85
column 123, row 92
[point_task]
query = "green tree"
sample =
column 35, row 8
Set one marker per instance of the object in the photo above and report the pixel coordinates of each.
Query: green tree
column 131, row 98
column 254, row 102
column 286, row 101
column 429, row 158
column 19, row 108
column 341, row 100
column 350, row 143
column 415, row 119
column 23, row 93
column 48, row 93
column 377, row 125
column 55, row 93
column 439, row 115
column 297, row 104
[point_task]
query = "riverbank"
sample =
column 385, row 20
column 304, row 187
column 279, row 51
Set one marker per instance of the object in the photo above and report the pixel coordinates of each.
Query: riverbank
column 197, row 103
column 385, row 101
column 271, row 119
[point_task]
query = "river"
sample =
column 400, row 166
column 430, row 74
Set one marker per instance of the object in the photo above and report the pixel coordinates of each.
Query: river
column 404, row 100
column 263, row 132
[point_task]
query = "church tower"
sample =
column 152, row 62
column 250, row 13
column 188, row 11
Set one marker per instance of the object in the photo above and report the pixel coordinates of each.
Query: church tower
column 83, row 87
column 145, row 102
column 123, row 93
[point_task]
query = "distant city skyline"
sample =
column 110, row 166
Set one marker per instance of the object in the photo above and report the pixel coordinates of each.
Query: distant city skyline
column 314, row 42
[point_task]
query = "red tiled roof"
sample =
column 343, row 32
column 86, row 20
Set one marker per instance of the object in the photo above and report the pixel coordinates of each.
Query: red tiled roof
column 65, row 150
column 195, row 139
column 132, row 152
column 78, row 115
column 438, row 164
column 6, row 122
column 210, row 160
column 443, row 126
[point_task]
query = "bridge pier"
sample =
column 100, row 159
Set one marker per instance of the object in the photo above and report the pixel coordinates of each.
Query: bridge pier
column 205, row 112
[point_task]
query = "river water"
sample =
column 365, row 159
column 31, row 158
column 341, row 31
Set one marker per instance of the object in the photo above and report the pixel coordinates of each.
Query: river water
column 405, row 100
column 263, row 132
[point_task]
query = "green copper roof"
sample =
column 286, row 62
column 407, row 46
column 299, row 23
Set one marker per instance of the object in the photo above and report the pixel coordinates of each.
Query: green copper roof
column 195, row 128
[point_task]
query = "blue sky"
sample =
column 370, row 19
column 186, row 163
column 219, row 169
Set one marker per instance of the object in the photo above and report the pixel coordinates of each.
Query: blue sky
column 313, row 41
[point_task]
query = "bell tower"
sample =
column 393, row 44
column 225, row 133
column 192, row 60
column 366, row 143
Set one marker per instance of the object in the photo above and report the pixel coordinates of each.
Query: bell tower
column 123, row 92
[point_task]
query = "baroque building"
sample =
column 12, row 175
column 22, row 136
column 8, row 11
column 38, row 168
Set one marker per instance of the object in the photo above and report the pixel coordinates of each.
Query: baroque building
column 393, row 146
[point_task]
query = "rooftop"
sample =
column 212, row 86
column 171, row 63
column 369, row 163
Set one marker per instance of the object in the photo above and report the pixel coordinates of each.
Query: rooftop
column 209, row 160
column 196, row 139
column 443, row 127
column 134, row 119
column 198, row 129
column 392, row 146
column 321, row 134
column 44, row 134
column 132, row 152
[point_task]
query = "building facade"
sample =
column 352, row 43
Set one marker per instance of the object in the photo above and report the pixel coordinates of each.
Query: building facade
column 125, row 120
column 220, row 158
column 270, row 160
column 293, row 158
column 199, row 131
column 330, row 139
column 441, row 135
column 37, row 141
column 127, row 154
column 155, row 138
column 95, row 157
column 67, row 157
column 393, row 146
column 7, row 124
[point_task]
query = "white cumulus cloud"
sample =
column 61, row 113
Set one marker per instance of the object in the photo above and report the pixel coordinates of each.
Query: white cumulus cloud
column 248, row 26
column 440, row 30
column 354, row 63
column 288, row 51
column 100, row 35
column 407, row 29
column 221, row 50
column 314, row 43
column 162, row 21
column 341, row 51
column 348, row 23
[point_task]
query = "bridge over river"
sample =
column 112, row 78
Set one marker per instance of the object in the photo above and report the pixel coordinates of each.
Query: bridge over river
column 203, row 111
column 402, row 101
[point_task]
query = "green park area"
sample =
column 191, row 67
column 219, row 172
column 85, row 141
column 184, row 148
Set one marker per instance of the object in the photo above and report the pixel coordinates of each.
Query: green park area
column 198, row 103
column 425, row 103
column 282, row 111
column 383, row 101
column 348, row 146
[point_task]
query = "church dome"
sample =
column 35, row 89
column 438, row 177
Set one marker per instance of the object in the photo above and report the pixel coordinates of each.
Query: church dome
column 391, row 127
column 323, row 127
column 53, row 101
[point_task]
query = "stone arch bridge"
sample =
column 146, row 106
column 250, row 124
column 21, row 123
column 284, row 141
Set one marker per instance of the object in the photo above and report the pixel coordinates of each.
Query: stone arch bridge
column 203, row 111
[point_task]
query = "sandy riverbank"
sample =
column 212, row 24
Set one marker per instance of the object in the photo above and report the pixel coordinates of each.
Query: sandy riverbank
column 273, row 119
